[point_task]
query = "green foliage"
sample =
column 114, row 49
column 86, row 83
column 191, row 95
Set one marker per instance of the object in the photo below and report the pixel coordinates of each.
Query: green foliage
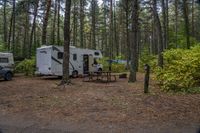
column 120, row 57
column 118, row 68
column 146, row 58
column 181, row 39
column 181, row 71
column 27, row 67
column 2, row 48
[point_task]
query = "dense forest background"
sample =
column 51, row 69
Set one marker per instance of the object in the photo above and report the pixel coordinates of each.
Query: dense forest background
column 105, row 25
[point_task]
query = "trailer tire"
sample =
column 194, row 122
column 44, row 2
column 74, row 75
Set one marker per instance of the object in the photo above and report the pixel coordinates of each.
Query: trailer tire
column 99, row 72
column 75, row 74
column 8, row 76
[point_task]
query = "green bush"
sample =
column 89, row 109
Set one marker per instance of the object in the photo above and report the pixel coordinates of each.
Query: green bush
column 27, row 67
column 118, row 68
column 181, row 71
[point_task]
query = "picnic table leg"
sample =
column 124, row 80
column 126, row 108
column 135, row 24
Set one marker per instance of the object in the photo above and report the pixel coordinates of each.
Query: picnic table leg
column 107, row 77
column 110, row 77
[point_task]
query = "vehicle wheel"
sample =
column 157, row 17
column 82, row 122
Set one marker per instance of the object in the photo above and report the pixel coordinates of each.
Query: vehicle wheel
column 8, row 76
column 99, row 71
column 75, row 74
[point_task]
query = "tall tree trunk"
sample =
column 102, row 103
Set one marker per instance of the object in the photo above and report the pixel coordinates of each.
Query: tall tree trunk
column 82, row 5
column 26, row 31
column 5, row 23
column 45, row 23
column 167, row 24
column 134, row 41
column 164, row 23
column 187, row 25
column 10, row 32
column 176, row 21
column 13, row 28
column 127, row 31
column 66, row 42
column 111, row 32
column 53, row 35
column 36, row 4
column 93, row 24
column 159, row 30
column 58, row 23
column 74, row 24
column 115, row 31
column 192, row 23
column 105, row 39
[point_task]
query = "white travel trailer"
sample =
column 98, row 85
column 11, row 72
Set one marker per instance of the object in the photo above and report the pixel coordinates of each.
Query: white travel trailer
column 7, row 60
column 49, row 60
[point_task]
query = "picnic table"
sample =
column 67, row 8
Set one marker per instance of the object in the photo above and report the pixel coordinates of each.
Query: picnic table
column 103, row 76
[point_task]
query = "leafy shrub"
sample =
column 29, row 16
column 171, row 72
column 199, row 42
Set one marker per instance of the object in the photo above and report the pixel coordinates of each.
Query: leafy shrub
column 118, row 68
column 27, row 67
column 181, row 71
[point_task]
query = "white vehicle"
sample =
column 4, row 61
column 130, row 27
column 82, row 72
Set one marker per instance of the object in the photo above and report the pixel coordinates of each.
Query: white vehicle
column 7, row 60
column 49, row 61
column 6, row 66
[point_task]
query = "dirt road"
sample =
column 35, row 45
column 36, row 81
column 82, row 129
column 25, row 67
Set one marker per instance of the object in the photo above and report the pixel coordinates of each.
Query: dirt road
column 34, row 105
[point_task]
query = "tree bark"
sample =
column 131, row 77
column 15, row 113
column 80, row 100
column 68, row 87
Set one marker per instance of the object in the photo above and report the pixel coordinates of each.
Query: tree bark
column 74, row 24
column 127, row 31
column 82, row 5
column 164, row 23
column 167, row 24
column 134, row 42
column 111, row 32
column 13, row 28
column 187, row 25
column 36, row 4
column 66, row 42
column 105, row 38
column 58, row 23
column 176, row 22
column 159, row 30
column 192, row 22
column 10, row 33
column 53, row 35
column 5, row 23
column 45, row 23
column 26, row 32
column 93, row 24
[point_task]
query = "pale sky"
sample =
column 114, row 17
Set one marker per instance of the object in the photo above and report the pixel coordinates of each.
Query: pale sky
column 100, row 2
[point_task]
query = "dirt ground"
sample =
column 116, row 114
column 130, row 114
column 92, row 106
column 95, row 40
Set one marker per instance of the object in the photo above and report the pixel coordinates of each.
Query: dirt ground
column 37, row 105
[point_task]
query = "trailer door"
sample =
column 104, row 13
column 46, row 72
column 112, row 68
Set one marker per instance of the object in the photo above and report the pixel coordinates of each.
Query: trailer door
column 44, row 61
column 85, row 64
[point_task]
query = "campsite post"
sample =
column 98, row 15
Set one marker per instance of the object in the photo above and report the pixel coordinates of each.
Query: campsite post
column 146, row 79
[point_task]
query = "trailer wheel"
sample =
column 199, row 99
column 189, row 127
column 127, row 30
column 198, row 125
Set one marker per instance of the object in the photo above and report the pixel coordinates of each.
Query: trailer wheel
column 75, row 74
column 99, row 71
column 8, row 76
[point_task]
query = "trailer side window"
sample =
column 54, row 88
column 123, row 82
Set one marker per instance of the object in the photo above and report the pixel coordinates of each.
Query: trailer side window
column 96, row 53
column 60, row 55
column 74, row 57
column 3, row 60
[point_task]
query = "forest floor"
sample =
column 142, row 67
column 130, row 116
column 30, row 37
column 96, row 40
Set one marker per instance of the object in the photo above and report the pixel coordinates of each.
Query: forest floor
column 36, row 104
